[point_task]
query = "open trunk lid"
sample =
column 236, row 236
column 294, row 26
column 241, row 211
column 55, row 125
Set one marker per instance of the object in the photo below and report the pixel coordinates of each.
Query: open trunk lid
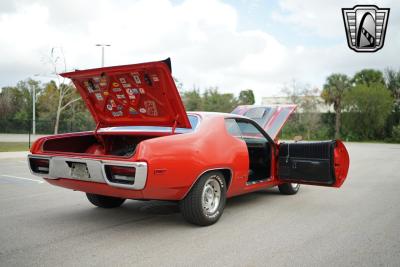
column 270, row 117
column 131, row 95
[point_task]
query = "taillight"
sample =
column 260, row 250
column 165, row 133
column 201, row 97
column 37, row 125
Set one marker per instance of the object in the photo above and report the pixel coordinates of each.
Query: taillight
column 120, row 174
column 39, row 165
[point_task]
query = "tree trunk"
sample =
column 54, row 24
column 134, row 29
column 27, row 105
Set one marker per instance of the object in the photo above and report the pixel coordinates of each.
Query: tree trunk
column 57, row 122
column 337, row 123
column 56, row 125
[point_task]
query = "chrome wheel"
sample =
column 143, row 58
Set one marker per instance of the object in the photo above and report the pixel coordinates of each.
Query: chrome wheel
column 205, row 202
column 295, row 186
column 211, row 195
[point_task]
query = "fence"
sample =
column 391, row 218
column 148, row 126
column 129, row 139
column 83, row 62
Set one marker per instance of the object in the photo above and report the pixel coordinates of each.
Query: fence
column 43, row 126
column 13, row 126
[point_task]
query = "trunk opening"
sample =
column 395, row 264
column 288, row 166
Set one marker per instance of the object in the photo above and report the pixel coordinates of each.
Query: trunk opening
column 114, row 145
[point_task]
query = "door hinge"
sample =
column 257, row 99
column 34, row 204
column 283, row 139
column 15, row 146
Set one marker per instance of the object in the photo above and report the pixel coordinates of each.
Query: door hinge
column 175, row 124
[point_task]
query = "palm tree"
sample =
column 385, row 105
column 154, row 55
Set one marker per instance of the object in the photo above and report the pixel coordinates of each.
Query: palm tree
column 334, row 90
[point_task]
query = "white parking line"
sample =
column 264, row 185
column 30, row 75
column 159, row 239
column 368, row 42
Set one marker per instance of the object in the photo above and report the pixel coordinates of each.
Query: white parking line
column 22, row 178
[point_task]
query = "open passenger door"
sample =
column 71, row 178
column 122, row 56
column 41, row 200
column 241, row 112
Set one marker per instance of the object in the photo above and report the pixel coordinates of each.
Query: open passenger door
column 323, row 163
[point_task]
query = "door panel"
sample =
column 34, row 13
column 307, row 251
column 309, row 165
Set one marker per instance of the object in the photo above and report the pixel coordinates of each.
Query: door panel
column 319, row 163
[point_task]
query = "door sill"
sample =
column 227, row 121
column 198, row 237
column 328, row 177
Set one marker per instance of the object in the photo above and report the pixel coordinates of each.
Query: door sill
column 259, row 181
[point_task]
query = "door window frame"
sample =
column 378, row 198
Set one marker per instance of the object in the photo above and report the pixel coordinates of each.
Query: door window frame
column 258, row 127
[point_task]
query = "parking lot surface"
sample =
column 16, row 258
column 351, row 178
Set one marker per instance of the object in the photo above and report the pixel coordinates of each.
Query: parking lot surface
column 357, row 225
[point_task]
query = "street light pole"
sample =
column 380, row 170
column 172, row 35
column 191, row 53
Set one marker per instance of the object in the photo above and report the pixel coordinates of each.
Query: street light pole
column 102, row 52
column 33, row 88
column 33, row 110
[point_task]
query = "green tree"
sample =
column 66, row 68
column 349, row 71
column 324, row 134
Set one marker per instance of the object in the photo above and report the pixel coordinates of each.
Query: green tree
column 393, row 84
column 16, row 105
column 66, row 93
column 368, row 77
column 192, row 100
column 24, row 97
column 311, row 117
column 333, row 93
column 392, row 127
column 246, row 97
column 307, row 119
column 76, row 117
column 214, row 101
column 9, row 99
column 368, row 107
column 47, row 102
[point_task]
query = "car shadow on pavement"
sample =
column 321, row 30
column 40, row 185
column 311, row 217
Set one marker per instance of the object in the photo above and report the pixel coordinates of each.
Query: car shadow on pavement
column 237, row 202
column 140, row 213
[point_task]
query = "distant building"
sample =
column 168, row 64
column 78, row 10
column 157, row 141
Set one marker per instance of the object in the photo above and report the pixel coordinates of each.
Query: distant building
column 284, row 100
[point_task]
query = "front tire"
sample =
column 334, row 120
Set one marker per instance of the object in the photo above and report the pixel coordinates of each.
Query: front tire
column 205, row 202
column 104, row 201
column 289, row 188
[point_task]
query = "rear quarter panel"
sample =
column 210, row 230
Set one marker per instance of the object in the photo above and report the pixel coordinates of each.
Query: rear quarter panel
column 175, row 162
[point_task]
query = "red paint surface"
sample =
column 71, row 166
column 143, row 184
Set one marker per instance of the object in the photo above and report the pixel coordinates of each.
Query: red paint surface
column 147, row 95
column 341, row 163
column 175, row 161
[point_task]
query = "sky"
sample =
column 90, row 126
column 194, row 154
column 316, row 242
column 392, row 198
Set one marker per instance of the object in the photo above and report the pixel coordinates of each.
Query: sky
column 229, row 44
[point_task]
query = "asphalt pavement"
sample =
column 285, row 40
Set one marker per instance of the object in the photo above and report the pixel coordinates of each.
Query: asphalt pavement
column 357, row 225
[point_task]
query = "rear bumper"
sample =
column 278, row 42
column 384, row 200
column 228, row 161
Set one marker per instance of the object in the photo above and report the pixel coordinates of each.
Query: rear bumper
column 97, row 188
column 59, row 168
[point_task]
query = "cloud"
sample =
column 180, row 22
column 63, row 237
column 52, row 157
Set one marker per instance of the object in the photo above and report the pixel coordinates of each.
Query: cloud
column 323, row 20
column 201, row 36
column 320, row 17
column 312, row 16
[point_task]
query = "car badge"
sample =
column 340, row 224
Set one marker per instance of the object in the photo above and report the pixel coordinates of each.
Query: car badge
column 365, row 27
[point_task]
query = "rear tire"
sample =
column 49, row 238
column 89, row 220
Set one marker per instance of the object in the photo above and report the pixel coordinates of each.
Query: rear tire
column 289, row 188
column 104, row 201
column 205, row 202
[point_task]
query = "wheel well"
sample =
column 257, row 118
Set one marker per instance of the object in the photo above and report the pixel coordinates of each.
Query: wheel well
column 227, row 173
column 228, row 177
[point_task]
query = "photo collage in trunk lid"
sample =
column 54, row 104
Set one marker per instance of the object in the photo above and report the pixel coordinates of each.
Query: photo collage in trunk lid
column 140, row 94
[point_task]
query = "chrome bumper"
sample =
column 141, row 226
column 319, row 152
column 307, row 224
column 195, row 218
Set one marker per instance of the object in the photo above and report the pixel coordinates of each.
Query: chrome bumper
column 58, row 168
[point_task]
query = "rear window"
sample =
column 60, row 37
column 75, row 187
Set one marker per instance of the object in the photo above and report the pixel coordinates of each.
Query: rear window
column 232, row 128
column 248, row 130
column 194, row 120
column 260, row 114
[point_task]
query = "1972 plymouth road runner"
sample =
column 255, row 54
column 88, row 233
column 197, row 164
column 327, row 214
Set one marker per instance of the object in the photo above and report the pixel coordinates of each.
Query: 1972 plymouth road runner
column 146, row 146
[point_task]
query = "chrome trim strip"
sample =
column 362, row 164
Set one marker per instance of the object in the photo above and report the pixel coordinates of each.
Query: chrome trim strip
column 30, row 167
column 152, row 129
column 58, row 168
column 140, row 173
column 259, row 181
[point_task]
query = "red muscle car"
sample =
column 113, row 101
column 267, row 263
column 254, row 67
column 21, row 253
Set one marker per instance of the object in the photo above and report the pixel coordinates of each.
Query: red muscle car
column 146, row 146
